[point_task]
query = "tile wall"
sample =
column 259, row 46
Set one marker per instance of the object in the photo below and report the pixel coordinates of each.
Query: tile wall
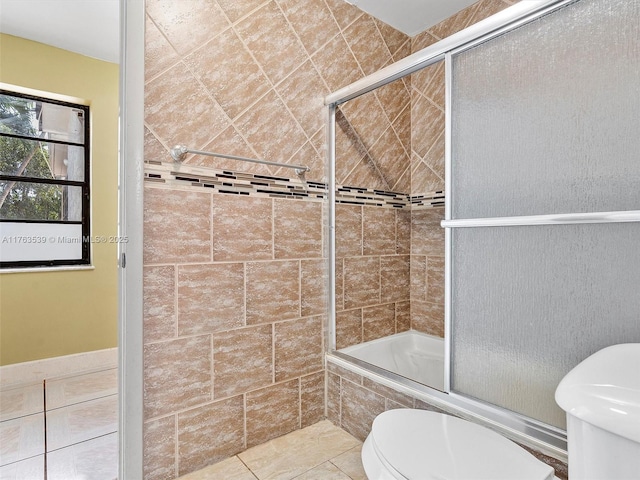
column 234, row 283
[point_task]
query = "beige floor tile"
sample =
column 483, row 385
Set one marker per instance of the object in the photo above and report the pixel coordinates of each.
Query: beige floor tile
column 325, row 471
column 229, row 469
column 286, row 457
column 350, row 462
column 83, row 421
column 21, row 438
column 21, row 401
column 80, row 388
column 29, row 469
column 95, row 459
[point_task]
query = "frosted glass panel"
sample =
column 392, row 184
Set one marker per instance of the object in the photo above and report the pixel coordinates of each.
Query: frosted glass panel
column 529, row 303
column 545, row 118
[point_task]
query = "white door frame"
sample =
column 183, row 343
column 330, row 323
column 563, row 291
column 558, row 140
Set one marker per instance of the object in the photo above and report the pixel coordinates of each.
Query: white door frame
column 130, row 217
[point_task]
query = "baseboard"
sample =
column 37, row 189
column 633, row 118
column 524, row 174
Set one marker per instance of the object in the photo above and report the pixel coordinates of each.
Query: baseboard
column 56, row 367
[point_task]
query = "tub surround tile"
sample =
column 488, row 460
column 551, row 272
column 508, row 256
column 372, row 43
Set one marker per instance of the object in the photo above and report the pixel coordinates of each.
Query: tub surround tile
column 401, row 399
column 232, row 237
column 394, row 278
column 269, row 300
column 336, row 64
column 297, row 229
column 391, row 158
column 344, row 15
column 378, row 322
column 378, row 231
column 403, row 232
column 242, row 360
column 159, row 314
column 423, row 178
column 361, row 281
column 96, row 459
column 21, row 401
column 176, row 372
column 293, row 454
column 427, row 119
column 428, row 317
column 339, row 284
column 158, row 53
column 312, row 398
column 348, row 328
column 236, row 9
column 359, row 407
column 403, row 316
column 348, row 230
column 367, row 44
column 333, row 398
column 177, row 226
column 344, row 373
column 160, row 448
column 272, row 412
column 435, row 279
column 418, row 277
column 154, row 151
column 210, row 298
column 298, row 347
column 394, row 97
column 313, row 281
column 220, row 423
column 21, row 438
column 427, row 236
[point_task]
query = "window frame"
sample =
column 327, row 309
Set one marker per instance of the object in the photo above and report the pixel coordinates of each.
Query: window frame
column 85, row 185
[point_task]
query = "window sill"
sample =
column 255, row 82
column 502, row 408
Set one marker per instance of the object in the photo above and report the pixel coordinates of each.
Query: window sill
column 61, row 268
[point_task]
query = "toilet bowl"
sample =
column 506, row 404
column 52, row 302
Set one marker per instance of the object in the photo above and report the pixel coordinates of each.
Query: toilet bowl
column 409, row 444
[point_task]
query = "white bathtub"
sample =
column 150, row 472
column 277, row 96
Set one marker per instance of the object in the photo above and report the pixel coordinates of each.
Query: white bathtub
column 412, row 354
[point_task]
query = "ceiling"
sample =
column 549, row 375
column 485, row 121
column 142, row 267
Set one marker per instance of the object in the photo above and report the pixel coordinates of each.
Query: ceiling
column 91, row 27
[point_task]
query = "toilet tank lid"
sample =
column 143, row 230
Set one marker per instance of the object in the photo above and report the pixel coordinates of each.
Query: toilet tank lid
column 604, row 390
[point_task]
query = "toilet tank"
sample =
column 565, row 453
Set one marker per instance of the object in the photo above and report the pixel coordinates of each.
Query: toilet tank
column 601, row 396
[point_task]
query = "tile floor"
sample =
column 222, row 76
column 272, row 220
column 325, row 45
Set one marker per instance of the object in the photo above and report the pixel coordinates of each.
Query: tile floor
column 80, row 439
column 318, row 452
column 61, row 429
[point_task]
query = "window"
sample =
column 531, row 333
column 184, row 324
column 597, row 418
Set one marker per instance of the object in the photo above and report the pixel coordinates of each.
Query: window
column 44, row 182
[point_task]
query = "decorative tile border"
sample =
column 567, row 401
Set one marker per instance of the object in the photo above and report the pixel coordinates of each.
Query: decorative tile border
column 238, row 183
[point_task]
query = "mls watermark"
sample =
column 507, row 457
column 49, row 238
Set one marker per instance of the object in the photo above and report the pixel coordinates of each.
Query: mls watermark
column 61, row 239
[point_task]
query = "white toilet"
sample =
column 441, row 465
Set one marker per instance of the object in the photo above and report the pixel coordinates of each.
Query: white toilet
column 601, row 396
column 421, row 445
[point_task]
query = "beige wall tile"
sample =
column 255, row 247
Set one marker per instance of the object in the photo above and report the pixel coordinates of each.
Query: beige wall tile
column 403, row 316
column 312, row 21
column 283, row 137
column 242, row 228
column 177, row 226
column 454, row 23
column 236, row 9
column 389, row 393
column 177, row 375
column 427, row 119
column 336, row 64
column 297, row 229
column 344, row 373
column 344, row 14
column 394, row 39
column 272, row 412
column 367, row 117
column 367, row 44
column 158, row 53
column 242, row 360
column 225, row 62
column 403, row 231
column 418, row 277
column 303, row 92
column 273, row 291
column 434, row 158
column 359, row 407
column 298, row 347
column 339, row 284
column 187, row 24
column 272, row 41
column 394, row 98
column 428, row 318
column 424, row 179
column 312, row 398
column 348, row 328
column 210, row 433
column 427, row 236
column 378, row 321
column 153, row 149
column 159, row 296
column 160, row 449
column 361, row 281
column 171, row 120
column 210, row 298
column 390, row 156
column 435, row 279
column 394, row 278
column 333, row 398
column 379, row 231
column 313, row 279
column 348, row 230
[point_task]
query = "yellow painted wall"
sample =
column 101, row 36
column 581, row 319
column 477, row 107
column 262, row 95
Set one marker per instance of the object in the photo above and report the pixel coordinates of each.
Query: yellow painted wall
column 48, row 314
